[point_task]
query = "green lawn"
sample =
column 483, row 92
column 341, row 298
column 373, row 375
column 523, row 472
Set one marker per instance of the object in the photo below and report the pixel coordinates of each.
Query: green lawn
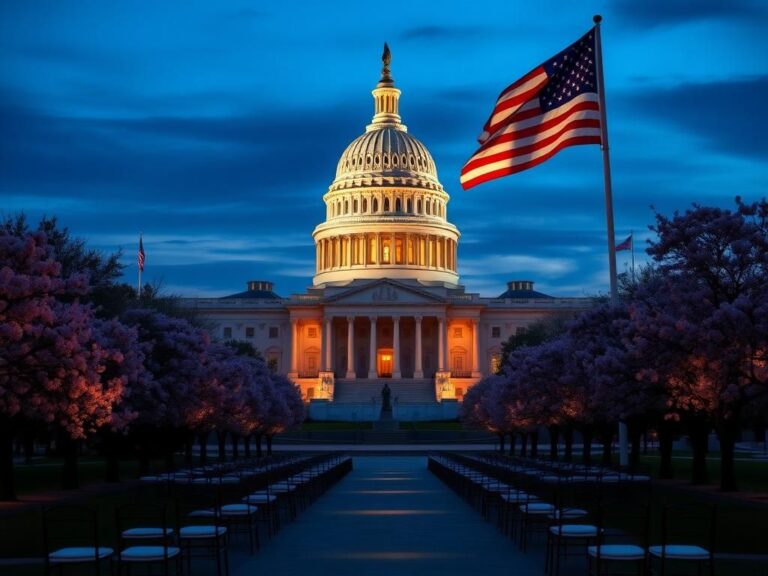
column 751, row 474
column 332, row 426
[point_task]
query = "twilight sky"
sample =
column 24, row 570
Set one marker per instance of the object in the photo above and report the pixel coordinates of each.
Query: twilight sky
column 215, row 127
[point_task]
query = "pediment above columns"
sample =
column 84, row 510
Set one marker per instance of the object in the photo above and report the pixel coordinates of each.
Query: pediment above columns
column 383, row 293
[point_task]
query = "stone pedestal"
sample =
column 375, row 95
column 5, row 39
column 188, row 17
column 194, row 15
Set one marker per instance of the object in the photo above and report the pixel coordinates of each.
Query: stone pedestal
column 326, row 380
column 443, row 386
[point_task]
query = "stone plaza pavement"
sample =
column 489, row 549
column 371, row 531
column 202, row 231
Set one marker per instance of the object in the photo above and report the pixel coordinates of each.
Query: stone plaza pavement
column 390, row 516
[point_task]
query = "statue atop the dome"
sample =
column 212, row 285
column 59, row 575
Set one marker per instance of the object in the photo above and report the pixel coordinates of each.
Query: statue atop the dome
column 386, row 58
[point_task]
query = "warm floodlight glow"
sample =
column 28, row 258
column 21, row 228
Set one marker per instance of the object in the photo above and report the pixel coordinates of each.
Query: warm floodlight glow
column 392, row 555
column 388, row 492
column 391, row 512
column 388, row 478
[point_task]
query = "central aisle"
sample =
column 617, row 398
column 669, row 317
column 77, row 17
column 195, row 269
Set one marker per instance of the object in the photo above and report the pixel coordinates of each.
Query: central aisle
column 389, row 516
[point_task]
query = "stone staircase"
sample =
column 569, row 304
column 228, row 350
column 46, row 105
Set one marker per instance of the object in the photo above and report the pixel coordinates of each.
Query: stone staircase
column 409, row 391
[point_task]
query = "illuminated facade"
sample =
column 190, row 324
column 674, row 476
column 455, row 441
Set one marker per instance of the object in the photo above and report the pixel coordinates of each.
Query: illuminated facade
column 385, row 301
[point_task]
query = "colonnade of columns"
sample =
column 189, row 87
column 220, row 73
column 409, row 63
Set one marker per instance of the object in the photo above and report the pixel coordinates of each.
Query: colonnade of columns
column 327, row 357
column 383, row 248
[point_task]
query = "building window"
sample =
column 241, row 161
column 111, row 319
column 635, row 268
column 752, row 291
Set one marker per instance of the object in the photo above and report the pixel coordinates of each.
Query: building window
column 273, row 332
column 495, row 331
column 458, row 333
column 520, row 330
column 385, row 252
column 249, row 332
column 312, row 332
column 227, row 332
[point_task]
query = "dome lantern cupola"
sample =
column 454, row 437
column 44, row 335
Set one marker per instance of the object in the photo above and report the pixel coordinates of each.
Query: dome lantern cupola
column 386, row 99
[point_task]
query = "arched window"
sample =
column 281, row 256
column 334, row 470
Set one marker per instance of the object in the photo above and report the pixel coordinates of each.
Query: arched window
column 386, row 204
column 408, row 206
column 375, row 205
column 346, row 206
column 418, row 206
column 398, row 205
column 365, row 205
column 428, row 205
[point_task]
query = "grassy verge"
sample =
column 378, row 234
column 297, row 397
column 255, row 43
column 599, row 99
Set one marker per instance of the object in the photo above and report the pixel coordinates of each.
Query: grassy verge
column 751, row 474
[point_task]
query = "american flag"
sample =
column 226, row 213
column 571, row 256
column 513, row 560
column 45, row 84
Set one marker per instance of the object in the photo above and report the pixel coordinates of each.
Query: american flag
column 550, row 108
column 626, row 245
column 142, row 257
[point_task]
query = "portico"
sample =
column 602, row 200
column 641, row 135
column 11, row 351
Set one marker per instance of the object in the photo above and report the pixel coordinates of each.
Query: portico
column 396, row 344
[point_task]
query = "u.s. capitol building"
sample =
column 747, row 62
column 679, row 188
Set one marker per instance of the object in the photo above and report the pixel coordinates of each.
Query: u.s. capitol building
column 385, row 303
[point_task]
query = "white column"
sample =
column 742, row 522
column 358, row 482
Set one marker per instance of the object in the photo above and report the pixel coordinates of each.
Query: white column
column 396, row 347
column 475, row 348
column 418, row 370
column 440, row 344
column 294, row 346
column 372, row 372
column 328, row 346
column 351, row 347
column 349, row 251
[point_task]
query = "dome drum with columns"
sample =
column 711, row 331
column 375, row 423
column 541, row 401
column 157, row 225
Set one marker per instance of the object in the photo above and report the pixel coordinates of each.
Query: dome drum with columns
column 385, row 304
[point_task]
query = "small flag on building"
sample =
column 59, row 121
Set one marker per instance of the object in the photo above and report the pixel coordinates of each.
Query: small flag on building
column 142, row 257
column 552, row 107
column 626, row 245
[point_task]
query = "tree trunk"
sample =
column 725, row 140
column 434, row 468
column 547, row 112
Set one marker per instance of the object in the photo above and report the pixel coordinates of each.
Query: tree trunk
column 726, row 433
column 535, row 443
column 568, row 437
column 247, row 446
column 635, row 433
column 259, row 452
column 169, row 444
column 512, row 438
column 554, row 435
column 698, row 429
column 28, row 441
column 607, row 442
column 501, row 441
column 7, row 488
column 666, row 437
column 189, row 443
column 112, row 456
column 586, row 441
column 143, row 453
column 221, row 436
column 269, row 444
column 202, row 439
column 69, row 477
column 235, row 440
column 523, row 444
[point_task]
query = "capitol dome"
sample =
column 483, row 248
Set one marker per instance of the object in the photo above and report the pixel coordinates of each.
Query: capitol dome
column 390, row 152
column 386, row 209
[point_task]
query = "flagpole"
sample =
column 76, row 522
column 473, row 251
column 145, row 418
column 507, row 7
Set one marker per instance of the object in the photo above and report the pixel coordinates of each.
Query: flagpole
column 632, row 246
column 606, row 160
column 623, row 440
column 138, row 290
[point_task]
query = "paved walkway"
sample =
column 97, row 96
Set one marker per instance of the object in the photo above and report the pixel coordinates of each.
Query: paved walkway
column 389, row 516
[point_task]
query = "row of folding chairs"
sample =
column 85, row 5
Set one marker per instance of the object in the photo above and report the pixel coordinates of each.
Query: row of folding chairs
column 196, row 520
column 608, row 524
